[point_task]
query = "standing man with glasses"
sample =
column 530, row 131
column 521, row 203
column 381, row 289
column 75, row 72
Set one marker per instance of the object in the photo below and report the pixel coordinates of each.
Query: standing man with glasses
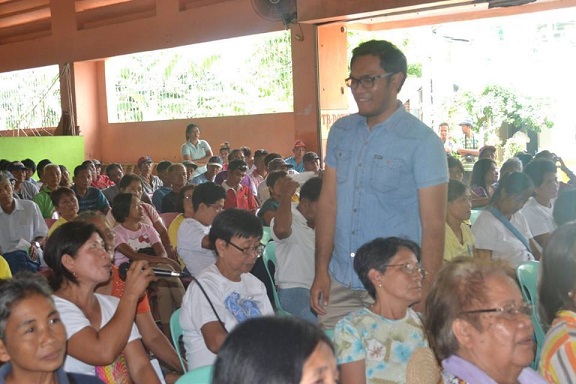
column 385, row 175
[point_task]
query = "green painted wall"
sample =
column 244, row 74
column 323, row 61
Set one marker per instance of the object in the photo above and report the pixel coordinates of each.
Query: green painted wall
column 66, row 150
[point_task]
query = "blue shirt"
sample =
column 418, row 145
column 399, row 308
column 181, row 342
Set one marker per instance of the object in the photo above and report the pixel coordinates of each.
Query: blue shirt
column 94, row 200
column 298, row 167
column 61, row 376
column 200, row 179
column 379, row 173
column 158, row 196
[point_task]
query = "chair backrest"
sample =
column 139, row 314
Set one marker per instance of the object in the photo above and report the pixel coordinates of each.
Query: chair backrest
column 527, row 274
column 50, row 222
column 176, row 331
column 269, row 256
column 266, row 235
column 167, row 217
column 200, row 375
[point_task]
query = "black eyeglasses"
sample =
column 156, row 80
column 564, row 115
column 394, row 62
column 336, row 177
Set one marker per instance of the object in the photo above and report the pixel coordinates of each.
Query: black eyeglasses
column 509, row 311
column 366, row 81
column 409, row 268
column 257, row 250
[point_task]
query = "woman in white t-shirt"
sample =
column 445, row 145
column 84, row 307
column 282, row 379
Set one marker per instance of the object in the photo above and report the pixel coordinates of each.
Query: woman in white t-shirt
column 102, row 338
column 137, row 241
column 501, row 231
column 538, row 209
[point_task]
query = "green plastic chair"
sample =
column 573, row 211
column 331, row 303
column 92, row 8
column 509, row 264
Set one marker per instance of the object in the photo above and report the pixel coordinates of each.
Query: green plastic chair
column 269, row 256
column 176, row 331
column 201, row 375
column 266, row 235
column 527, row 274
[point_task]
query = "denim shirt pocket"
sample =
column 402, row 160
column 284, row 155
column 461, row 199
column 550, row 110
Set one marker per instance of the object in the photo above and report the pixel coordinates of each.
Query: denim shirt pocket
column 343, row 158
column 389, row 174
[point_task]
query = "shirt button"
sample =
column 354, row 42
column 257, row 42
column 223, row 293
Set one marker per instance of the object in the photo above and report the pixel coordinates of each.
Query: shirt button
column 360, row 164
column 354, row 210
column 353, row 232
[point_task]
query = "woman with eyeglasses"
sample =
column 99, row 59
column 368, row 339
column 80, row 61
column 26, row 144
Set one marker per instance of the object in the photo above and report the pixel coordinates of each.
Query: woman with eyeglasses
column 225, row 293
column 478, row 324
column 558, row 306
column 374, row 344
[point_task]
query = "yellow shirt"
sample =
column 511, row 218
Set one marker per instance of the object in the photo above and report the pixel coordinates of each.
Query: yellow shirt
column 56, row 224
column 452, row 246
column 5, row 272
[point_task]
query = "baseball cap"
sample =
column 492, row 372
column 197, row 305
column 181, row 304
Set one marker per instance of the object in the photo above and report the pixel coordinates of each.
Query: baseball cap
column 310, row 156
column 299, row 143
column 144, row 159
column 237, row 164
column 466, row 121
column 96, row 162
column 190, row 163
column 16, row 166
column 215, row 160
column 278, row 163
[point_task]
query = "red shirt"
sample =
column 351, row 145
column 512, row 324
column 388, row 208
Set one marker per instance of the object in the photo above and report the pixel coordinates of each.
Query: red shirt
column 242, row 198
column 102, row 182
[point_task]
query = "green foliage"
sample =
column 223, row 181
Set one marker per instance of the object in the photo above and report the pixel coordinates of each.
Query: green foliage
column 497, row 105
column 187, row 82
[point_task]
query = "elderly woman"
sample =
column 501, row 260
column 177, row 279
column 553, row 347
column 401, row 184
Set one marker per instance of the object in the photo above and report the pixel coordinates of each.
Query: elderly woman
column 558, row 302
column 538, row 209
column 484, row 175
column 263, row 351
column 32, row 336
column 373, row 345
column 479, row 325
column 103, row 340
column 459, row 239
column 501, row 231
column 224, row 294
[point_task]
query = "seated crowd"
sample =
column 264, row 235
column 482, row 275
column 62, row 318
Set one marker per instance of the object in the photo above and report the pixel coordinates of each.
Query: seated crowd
column 101, row 240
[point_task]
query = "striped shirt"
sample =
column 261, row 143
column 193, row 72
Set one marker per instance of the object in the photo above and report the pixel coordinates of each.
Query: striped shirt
column 558, row 359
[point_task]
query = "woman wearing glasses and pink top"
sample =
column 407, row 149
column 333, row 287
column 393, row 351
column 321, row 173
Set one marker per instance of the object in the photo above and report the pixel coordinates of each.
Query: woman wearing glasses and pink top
column 374, row 344
column 224, row 294
column 478, row 324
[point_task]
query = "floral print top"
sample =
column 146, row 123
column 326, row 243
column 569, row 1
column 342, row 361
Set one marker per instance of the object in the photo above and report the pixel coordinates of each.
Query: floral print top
column 385, row 345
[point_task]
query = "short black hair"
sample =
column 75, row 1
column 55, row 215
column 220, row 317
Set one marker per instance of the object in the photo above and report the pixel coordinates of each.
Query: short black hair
column 112, row 167
column 514, row 183
column 207, row 193
column 66, row 240
column 376, row 254
column 392, row 60
column 267, row 350
column 127, row 179
column 235, row 222
column 56, row 195
column 456, row 189
column 537, row 169
column 274, row 176
column 121, row 206
column 29, row 163
column 41, row 164
column 80, row 168
column 163, row 165
column 271, row 156
column 311, row 189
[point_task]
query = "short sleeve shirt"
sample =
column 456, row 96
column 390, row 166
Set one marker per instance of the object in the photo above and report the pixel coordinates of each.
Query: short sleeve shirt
column 197, row 151
column 385, row 345
column 145, row 237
